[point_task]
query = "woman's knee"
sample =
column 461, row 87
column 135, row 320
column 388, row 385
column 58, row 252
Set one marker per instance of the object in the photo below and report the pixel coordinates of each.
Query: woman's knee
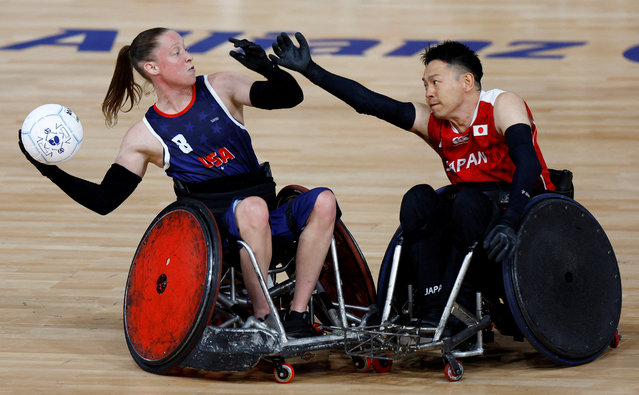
column 252, row 212
column 325, row 207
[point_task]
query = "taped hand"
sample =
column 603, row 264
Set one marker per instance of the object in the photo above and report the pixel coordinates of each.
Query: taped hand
column 500, row 243
column 253, row 57
column 290, row 56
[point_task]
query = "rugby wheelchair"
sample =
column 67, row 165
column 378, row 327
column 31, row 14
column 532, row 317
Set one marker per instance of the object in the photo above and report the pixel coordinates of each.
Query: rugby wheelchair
column 186, row 308
column 561, row 291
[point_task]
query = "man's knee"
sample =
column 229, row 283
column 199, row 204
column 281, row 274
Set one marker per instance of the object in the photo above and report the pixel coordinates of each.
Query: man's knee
column 418, row 208
column 471, row 214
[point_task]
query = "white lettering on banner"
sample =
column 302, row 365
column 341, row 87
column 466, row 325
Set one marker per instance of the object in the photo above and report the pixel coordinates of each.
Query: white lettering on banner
column 474, row 159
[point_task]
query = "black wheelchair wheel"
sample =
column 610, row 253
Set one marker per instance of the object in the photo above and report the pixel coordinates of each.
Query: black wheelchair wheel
column 400, row 294
column 563, row 284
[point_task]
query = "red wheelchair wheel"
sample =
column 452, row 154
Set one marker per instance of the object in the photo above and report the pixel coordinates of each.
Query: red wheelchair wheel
column 172, row 285
column 352, row 265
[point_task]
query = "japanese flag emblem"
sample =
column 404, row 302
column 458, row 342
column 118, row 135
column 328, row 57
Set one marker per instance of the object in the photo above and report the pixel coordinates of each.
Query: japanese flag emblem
column 480, row 130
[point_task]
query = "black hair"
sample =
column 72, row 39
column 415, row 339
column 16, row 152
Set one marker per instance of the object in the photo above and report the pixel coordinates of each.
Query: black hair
column 456, row 54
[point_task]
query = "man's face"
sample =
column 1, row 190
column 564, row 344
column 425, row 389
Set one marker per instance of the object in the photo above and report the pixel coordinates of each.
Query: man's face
column 444, row 89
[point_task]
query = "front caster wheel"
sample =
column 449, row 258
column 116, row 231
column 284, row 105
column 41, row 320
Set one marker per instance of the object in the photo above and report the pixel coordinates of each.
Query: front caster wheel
column 616, row 339
column 452, row 374
column 382, row 365
column 362, row 364
column 284, row 373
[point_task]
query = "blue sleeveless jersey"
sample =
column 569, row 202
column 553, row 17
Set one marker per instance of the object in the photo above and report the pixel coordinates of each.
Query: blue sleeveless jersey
column 204, row 141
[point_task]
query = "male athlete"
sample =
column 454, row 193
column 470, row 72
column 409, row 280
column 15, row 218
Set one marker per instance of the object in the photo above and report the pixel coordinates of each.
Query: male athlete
column 487, row 141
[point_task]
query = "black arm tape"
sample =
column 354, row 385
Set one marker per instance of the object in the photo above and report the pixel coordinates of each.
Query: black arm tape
column 362, row 99
column 118, row 184
column 280, row 90
column 527, row 170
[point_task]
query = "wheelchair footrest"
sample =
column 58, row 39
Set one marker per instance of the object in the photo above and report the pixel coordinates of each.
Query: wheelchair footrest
column 232, row 349
column 395, row 342
column 388, row 342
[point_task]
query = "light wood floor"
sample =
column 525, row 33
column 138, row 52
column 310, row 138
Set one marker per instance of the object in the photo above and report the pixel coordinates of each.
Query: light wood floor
column 63, row 268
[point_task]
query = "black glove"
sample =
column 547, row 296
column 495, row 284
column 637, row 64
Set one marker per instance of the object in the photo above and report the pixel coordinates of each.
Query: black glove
column 500, row 242
column 253, row 57
column 290, row 56
column 45, row 170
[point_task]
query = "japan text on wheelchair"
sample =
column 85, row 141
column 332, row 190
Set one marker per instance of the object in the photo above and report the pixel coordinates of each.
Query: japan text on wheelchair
column 186, row 308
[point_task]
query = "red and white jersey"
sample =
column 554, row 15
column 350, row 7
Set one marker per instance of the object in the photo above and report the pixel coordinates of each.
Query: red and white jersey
column 480, row 153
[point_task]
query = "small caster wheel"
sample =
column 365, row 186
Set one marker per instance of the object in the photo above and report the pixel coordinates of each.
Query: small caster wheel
column 362, row 364
column 284, row 373
column 382, row 365
column 451, row 375
column 614, row 343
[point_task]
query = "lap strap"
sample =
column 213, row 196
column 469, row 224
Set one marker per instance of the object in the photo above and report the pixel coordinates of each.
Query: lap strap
column 218, row 193
column 498, row 193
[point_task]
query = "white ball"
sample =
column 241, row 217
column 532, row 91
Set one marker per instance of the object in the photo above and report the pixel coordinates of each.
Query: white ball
column 52, row 133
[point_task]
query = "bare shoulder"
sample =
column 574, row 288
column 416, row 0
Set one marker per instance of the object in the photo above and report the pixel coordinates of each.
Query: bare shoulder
column 219, row 78
column 138, row 148
column 422, row 116
column 227, row 80
column 234, row 90
column 509, row 109
column 509, row 99
column 138, row 136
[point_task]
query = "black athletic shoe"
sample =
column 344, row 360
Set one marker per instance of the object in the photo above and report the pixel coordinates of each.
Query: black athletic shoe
column 429, row 318
column 298, row 325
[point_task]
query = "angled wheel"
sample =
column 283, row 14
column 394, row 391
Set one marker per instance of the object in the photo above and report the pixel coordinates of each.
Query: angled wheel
column 405, row 276
column 172, row 286
column 563, row 285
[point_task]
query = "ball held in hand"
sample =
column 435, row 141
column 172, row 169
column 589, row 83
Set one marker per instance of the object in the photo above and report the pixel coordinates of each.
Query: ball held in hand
column 51, row 133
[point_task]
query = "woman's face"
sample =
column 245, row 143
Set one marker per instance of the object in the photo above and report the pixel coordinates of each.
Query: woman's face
column 173, row 63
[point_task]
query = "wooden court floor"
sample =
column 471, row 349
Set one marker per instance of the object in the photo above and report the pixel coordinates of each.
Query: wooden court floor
column 63, row 269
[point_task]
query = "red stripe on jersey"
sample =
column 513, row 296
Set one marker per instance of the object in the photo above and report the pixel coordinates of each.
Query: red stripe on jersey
column 155, row 107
